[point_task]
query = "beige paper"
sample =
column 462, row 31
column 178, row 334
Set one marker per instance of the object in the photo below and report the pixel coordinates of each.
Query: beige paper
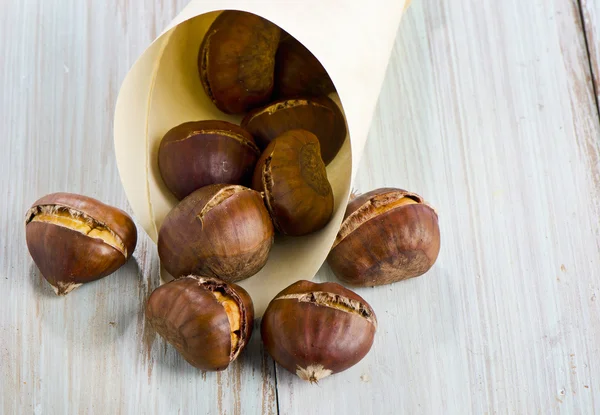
column 353, row 41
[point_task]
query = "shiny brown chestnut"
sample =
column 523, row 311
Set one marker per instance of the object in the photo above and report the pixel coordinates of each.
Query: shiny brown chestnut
column 236, row 61
column 321, row 116
column 221, row 231
column 387, row 235
column 197, row 154
column 208, row 321
column 315, row 330
column 298, row 72
column 74, row 239
column 292, row 176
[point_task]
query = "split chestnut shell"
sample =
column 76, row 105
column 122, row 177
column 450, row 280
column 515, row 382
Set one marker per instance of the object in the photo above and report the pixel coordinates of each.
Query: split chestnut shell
column 387, row 235
column 321, row 116
column 207, row 320
column 200, row 153
column 221, row 231
column 292, row 176
column 315, row 330
column 75, row 239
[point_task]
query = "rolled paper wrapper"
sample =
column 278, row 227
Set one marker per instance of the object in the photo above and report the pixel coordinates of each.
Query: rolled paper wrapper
column 352, row 40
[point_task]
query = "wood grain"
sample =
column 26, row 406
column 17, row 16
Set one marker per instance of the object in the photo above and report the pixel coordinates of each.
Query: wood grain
column 488, row 111
column 590, row 13
column 91, row 351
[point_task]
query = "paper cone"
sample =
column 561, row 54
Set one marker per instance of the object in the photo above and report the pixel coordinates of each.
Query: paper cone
column 353, row 41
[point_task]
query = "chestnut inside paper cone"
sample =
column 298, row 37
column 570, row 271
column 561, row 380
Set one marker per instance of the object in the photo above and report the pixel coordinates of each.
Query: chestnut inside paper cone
column 164, row 89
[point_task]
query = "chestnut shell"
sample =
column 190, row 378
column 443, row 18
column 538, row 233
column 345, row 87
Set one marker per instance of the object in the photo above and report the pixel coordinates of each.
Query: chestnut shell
column 292, row 176
column 197, row 154
column 380, row 244
column 187, row 314
column 315, row 330
column 236, row 61
column 298, row 72
column 67, row 257
column 221, row 231
column 321, row 116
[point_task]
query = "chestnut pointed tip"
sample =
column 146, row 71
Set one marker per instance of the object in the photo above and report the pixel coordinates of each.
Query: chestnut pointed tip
column 313, row 373
column 61, row 289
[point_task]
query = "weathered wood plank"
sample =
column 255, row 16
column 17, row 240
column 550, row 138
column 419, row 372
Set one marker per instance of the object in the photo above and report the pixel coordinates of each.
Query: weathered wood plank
column 590, row 13
column 488, row 112
column 62, row 64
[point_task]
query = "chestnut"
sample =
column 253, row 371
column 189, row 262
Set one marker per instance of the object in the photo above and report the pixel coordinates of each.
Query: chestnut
column 298, row 72
column 75, row 239
column 197, row 154
column 315, row 330
column 221, row 231
column 387, row 235
column 208, row 321
column 320, row 116
column 236, row 61
column 292, row 176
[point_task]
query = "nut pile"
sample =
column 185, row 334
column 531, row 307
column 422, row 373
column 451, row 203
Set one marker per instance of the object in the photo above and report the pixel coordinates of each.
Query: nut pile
column 238, row 185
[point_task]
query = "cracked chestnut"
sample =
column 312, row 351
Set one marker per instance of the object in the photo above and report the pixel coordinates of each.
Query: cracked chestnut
column 197, row 154
column 387, row 235
column 292, row 176
column 221, row 231
column 315, row 330
column 208, row 321
column 298, row 72
column 321, row 116
column 236, row 61
column 75, row 239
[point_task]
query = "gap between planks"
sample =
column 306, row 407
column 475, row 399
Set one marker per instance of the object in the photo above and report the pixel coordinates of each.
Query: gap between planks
column 587, row 27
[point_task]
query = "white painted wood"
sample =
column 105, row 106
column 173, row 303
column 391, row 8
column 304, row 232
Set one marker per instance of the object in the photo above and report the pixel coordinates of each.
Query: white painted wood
column 62, row 64
column 487, row 110
column 590, row 12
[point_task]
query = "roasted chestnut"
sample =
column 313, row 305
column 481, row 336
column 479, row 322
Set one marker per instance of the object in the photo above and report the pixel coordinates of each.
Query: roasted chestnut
column 292, row 176
column 315, row 330
column 207, row 320
column 298, row 72
column 387, row 235
column 320, row 116
column 237, row 61
column 197, row 154
column 75, row 239
column 221, row 231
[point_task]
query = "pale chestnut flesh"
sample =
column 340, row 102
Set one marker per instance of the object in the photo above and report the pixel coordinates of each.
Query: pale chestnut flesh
column 315, row 330
column 221, row 231
column 75, row 239
column 208, row 321
column 387, row 235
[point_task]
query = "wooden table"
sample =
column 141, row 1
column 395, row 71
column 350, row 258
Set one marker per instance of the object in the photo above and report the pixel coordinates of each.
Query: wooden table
column 489, row 110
